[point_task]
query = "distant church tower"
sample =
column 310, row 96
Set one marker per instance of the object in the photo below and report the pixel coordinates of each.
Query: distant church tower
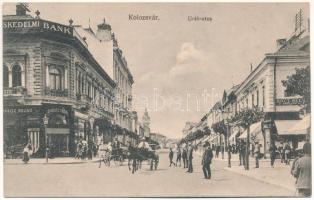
column 104, row 31
column 146, row 123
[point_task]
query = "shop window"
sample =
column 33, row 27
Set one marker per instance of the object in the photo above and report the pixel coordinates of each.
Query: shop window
column 16, row 76
column 55, row 78
column 5, row 76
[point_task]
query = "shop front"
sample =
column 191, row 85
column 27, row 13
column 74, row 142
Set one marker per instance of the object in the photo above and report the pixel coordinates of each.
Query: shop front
column 293, row 131
column 21, row 125
column 59, row 137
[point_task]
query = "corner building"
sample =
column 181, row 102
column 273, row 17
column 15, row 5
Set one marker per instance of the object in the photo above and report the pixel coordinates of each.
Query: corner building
column 51, row 72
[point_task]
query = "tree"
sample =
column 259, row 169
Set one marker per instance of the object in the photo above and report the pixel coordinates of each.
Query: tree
column 300, row 84
column 244, row 119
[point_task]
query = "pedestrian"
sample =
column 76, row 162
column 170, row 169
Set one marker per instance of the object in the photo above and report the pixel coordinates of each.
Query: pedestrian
column 178, row 156
column 184, row 157
column 190, row 158
column 301, row 170
column 253, row 149
column 26, row 152
column 287, row 151
column 95, row 149
column 171, row 157
column 281, row 151
column 206, row 160
column 257, row 151
column 243, row 153
column 272, row 151
column 90, row 152
column 217, row 151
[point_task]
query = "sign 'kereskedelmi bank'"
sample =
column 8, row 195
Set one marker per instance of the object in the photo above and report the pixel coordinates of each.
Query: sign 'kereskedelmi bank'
column 36, row 25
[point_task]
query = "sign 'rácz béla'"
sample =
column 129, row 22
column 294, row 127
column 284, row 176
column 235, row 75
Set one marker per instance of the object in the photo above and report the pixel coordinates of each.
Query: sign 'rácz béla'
column 37, row 24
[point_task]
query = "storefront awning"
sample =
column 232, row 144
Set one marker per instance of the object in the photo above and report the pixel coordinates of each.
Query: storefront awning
column 81, row 115
column 293, row 127
column 255, row 130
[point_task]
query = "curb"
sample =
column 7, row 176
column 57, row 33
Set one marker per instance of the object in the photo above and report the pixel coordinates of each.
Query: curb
column 259, row 179
column 49, row 163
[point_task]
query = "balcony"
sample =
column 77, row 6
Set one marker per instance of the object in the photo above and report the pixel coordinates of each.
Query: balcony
column 56, row 93
column 15, row 91
column 83, row 98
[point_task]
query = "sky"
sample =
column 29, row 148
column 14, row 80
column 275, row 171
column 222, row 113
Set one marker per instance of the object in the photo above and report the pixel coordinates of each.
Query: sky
column 182, row 67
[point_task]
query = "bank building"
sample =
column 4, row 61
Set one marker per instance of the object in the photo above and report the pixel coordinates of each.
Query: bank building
column 62, row 84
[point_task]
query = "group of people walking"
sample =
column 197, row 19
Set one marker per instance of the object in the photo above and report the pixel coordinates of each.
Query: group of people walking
column 186, row 154
column 86, row 150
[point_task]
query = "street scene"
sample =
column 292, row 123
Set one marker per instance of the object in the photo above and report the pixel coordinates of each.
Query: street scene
column 156, row 100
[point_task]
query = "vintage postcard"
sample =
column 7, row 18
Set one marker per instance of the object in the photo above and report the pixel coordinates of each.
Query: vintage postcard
column 182, row 99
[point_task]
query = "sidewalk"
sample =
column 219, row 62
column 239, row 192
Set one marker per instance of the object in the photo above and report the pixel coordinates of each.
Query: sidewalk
column 279, row 175
column 62, row 160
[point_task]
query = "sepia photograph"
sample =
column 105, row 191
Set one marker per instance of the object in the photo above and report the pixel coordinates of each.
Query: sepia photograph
column 156, row 99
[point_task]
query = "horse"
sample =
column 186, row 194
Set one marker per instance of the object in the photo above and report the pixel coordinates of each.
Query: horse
column 137, row 155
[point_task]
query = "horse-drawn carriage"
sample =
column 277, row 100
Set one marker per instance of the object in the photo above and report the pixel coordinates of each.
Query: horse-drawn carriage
column 143, row 152
column 107, row 153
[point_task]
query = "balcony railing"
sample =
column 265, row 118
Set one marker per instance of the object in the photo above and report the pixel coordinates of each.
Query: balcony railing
column 14, row 91
column 56, row 93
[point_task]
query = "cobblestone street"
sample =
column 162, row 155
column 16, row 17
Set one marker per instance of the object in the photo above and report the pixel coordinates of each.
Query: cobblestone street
column 87, row 180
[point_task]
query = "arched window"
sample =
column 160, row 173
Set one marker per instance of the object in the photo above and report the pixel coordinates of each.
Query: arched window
column 5, row 76
column 55, row 78
column 16, row 76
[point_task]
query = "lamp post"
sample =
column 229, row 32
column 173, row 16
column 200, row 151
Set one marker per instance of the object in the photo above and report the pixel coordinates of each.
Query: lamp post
column 46, row 136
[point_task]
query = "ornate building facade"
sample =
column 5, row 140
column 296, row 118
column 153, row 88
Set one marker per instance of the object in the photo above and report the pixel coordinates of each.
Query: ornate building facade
column 56, row 90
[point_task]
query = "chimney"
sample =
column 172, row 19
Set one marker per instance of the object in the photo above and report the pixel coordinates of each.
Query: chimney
column 104, row 31
column 281, row 42
column 21, row 9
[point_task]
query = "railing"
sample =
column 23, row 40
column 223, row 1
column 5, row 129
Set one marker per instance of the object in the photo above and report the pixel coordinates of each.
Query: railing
column 56, row 93
column 14, row 91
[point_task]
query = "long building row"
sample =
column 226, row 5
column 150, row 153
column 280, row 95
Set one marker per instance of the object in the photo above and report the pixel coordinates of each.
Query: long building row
column 284, row 117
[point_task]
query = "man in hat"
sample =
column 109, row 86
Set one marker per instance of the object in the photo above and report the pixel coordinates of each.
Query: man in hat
column 301, row 170
column 190, row 158
column 184, row 157
column 206, row 160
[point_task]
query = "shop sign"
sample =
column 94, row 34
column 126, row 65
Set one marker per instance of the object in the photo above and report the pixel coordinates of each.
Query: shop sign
column 19, row 110
column 57, row 110
column 286, row 102
column 37, row 25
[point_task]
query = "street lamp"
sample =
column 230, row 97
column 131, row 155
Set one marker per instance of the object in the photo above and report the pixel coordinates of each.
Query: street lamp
column 46, row 136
